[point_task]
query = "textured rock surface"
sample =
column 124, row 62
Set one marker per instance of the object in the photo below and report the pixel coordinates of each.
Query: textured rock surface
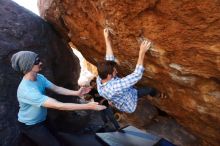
column 22, row 30
column 184, row 61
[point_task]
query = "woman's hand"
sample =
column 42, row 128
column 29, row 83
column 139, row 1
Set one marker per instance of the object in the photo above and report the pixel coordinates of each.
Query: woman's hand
column 96, row 106
column 83, row 90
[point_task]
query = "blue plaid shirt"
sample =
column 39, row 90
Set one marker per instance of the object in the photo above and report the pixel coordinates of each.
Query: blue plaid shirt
column 120, row 91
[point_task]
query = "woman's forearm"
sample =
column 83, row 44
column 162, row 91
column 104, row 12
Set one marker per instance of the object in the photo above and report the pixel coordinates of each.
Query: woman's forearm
column 64, row 91
column 73, row 106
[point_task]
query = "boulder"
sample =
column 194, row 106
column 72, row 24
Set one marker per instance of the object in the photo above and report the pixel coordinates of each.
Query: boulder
column 183, row 62
column 21, row 29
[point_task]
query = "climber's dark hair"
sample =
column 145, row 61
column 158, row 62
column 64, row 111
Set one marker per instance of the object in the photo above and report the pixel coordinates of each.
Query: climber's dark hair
column 105, row 68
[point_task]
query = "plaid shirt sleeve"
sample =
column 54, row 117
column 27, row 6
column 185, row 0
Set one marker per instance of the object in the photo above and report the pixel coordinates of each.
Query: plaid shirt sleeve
column 110, row 57
column 129, row 80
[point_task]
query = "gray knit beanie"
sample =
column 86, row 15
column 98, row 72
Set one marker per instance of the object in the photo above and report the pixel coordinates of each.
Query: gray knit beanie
column 23, row 61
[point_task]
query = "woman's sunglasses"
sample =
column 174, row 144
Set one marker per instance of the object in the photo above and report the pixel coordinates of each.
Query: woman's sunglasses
column 37, row 61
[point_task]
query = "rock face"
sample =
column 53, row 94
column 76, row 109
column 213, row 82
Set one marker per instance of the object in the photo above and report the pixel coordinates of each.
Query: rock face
column 184, row 61
column 22, row 30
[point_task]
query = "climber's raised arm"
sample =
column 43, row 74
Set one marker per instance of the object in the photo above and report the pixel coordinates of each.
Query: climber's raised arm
column 109, row 52
column 145, row 46
column 131, row 79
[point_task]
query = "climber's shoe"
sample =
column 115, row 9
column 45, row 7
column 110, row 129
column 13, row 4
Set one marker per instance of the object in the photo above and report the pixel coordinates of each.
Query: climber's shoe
column 155, row 93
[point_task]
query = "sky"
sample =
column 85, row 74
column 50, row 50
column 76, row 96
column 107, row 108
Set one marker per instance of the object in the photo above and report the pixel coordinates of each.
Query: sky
column 29, row 4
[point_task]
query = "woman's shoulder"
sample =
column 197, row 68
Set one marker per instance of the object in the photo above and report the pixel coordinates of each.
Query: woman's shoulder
column 41, row 77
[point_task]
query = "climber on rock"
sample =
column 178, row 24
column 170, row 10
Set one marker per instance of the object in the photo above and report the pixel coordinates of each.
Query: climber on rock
column 33, row 102
column 120, row 91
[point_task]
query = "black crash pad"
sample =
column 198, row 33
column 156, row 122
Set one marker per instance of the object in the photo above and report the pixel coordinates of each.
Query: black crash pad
column 68, row 139
column 131, row 137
